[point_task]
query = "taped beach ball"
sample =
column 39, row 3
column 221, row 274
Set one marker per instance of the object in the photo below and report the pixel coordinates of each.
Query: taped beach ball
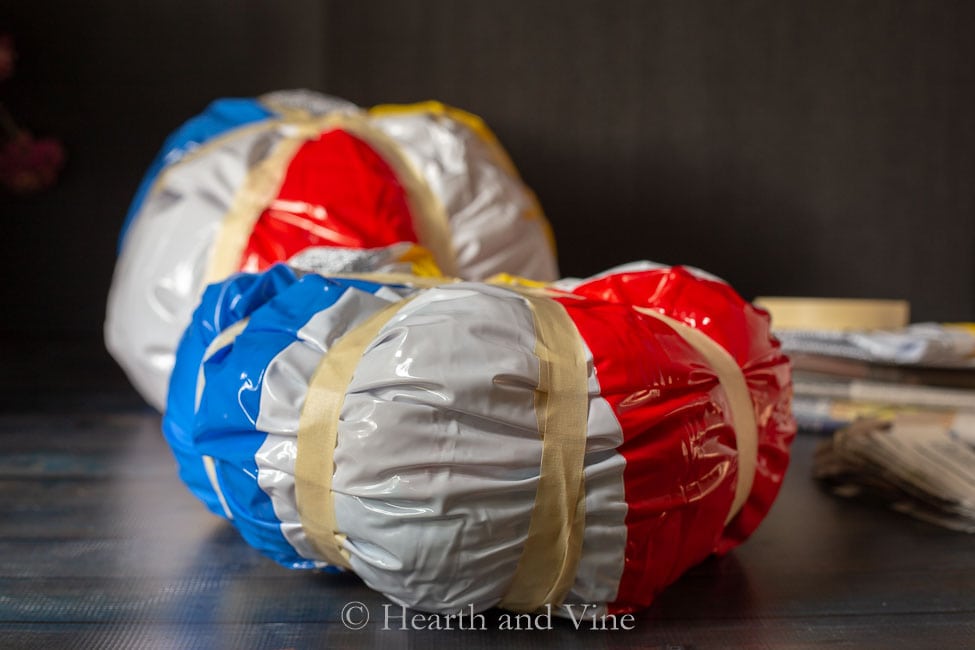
column 424, row 188
column 466, row 445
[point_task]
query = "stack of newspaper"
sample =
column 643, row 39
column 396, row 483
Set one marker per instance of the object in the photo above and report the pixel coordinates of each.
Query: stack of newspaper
column 917, row 465
column 896, row 399
column 840, row 376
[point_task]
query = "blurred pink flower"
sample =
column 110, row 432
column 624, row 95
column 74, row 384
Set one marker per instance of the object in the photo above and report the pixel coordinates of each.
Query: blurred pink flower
column 28, row 165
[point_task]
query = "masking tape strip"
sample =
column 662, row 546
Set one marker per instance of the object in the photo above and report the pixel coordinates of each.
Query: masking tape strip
column 258, row 191
column 264, row 182
column 285, row 111
column 318, row 435
column 210, row 467
column 469, row 120
column 418, row 281
column 547, row 567
column 835, row 314
column 739, row 400
column 518, row 285
column 487, row 137
column 222, row 340
column 207, row 147
column 430, row 220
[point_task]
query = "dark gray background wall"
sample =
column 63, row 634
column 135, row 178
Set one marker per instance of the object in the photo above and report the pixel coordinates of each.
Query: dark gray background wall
column 802, row 148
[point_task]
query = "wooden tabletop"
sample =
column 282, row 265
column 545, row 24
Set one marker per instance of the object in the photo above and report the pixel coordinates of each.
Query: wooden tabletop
column 102, row 547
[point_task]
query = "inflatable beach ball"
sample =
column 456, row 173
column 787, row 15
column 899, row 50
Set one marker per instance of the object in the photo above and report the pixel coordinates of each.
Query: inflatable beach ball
column 465, row 445
column 299, row 176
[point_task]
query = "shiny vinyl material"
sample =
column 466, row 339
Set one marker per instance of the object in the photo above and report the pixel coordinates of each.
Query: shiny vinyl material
column 251, row 182
column 497, row 225
column 438, row 450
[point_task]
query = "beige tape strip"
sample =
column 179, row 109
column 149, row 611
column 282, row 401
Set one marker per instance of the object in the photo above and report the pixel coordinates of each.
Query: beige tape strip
column 264, row 182
column 258, row 191
column 430, row 219
column 318, row 434
column 739, row 400
column 204, row 149
column 518, row 285
column 210, row 466
column 547, row 567
column 835, row 314
column 419, row 281
column 469, row 120
column 487, row 137
column 222, row 340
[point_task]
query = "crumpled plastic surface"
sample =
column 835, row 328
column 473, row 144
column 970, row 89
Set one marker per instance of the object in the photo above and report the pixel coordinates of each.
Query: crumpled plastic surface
column 251, row 182
column 923, row 344
column 438, row 450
